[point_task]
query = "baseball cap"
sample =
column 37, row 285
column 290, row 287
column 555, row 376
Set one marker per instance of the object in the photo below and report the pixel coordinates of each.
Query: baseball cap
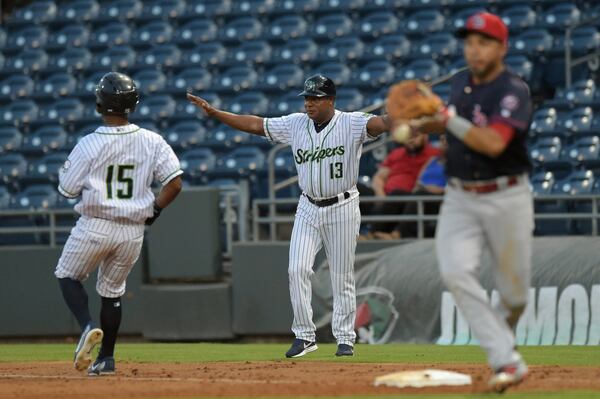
column 487, row 24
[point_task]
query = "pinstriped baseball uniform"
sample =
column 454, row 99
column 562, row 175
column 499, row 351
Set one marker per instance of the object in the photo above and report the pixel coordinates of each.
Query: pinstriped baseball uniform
column 113, row 169
column 327, row 163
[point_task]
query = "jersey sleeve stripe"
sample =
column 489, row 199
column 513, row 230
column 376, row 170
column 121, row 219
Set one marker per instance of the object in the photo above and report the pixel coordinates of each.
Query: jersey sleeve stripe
column 171, row 177
column 267, row 129
column 65, row 193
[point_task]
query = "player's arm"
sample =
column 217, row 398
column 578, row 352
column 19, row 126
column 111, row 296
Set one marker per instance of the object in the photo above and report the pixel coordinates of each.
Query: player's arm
column 71, row 176
column 168, row 172
column 378, row 125
column 246, row 123
column 379, row 179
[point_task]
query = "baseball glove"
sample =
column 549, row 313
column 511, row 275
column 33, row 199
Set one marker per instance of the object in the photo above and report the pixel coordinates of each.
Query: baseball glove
column 412, row 99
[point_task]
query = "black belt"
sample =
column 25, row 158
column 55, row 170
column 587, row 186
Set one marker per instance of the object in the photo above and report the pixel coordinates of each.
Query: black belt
column 327, row 201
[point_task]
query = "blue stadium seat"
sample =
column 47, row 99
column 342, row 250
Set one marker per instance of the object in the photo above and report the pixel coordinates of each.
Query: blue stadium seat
column 546, row 150
column 332, row 26
column 339, row 72
column 77, row 11
column 186, row 134
column 378, row 24
column 430, row 3
column 284, row 163
column 162, row 9
column 71, row 60
column 115, row 58
column 586, row 151
column 299, row 7
column 245, row 7
column 56, row 85
column 45, row 139
column 31, row 37
column 341, row 5
column 10, row 139
column 62, row 111
column 36, row 13
column 204, row 55
column 240, row 29
column 20, row 112
column 16, row 86
column 520, row 65
column 424, row 22
column 519, row 17
column 391, row 47
column 286, row 104
column 532, row 41
column 5, row 198
column 38, row 196
column 285, row 28
column 208, row 8
column 162, row 56
column 12, row 167
column 251, row 52
column 421, row 69
column 438, row 45
column 86, row 85
column 223, row 137
column 542, row 182
column 386, row 4
column 584, row 39
column 242, row 161
column 198, row 162
column 68, row 36
column 46, row 168
column 579, row 121
column 195, row 32
column 153, row 33
column 580, row 93
column 348, row 99
column 27, row 61
column 121, row 10
column 459, row 18
column 544, row 121
column 250, row 103
column 156, row 107
column 150, row 81
column 111, row 34
column 296, row 51
column 343, row 49
column 236, row 78
column 375, row 74
column 455, row 66
column 578, row 182
column 194, row 79
column 551, row 226
column 560, row 16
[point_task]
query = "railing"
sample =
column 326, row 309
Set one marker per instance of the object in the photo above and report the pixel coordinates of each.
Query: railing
column 419, row 217
column 569, row 62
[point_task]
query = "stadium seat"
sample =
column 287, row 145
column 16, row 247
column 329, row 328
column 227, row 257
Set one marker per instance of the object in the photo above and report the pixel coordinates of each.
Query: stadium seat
column 459, row 18
column 115, row 58
column 421, row 69
column 77, row 11
column 519, row 17
column 12, row 167
column 455, row 66
column 223, row 137
column 284, row 163
column 560, row 16
column 162, row 56
column 208, row 8
column 424, row 22
column 578, row 182
column 150, row 81
column 584, row 39
column 579, row 120
column 242, row 161
column 56, row 85
column 386, row 4
column 296, row 51
column 236, row 78
column 45, row 139
column 241, row 29
column 251, row 52
column 341, row 5
column 438, row 45
column 375, row 74
column 531, row 42
column 551, row 226
column 580, row 93
column 339, row 72
column 390, row 47
column 10, row 139
column 546, row 150
column 20, row 112
column 520, row 65
column 378, row 24
column 348, row 99
column 542, row 183
column 62, row 111
column 38, row 196
column 586, row 151
column 249, row 103
column 198, row 162
column 194, row 79
column 162, row 9
column 332, row 26
column 5, row 198
column 69, row 36
column 111, row 34
column 285, row 28
column 156, row 107
column 204, row 55
column 16, row 86
column 87, row 84
column 71, row 60
column 196, row 32
column 153, row 33
column 343, row 49
column 300, row 7
column 120, row 10
column 31, row 37
column 253, row 7
column 185, row 134
column 544, row 121
column 46, row 168
column 287, row 104
column 27, row 61
column 36, row 13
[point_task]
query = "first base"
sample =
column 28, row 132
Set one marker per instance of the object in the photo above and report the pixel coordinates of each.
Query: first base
column 423, row 378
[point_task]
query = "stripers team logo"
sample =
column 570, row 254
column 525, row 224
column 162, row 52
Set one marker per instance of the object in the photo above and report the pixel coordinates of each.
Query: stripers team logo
column 479, row 118
column 510, row 102
column 376, row 316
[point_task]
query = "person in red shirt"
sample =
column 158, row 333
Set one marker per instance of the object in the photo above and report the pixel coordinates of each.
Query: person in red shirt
column 397, row 175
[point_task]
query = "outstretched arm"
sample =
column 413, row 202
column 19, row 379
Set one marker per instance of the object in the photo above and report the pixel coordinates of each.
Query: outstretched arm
column 378, row 125
column 246, row 123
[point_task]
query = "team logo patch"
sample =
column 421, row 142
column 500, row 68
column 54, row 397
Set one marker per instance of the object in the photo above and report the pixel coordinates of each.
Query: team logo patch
column 66, row 165
column 310, row 86
column 477, row 22
column 510, row 102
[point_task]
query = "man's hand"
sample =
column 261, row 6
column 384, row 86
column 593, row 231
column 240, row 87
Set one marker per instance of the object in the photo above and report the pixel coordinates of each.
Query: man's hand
column 199, row 102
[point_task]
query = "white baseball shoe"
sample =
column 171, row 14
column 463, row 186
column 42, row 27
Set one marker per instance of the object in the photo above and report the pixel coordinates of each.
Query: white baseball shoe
column 508, row 376
column 90, row 337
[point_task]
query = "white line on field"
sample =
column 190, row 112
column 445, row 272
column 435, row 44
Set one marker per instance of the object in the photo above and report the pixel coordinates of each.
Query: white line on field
column 123, row 378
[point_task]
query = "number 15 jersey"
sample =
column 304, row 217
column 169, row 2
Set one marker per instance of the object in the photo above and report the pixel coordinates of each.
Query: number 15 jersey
column 327, row 162
column 113, row 169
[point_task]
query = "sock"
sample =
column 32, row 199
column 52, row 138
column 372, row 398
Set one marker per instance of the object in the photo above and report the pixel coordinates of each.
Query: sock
column 110, row 320
column 76, row 299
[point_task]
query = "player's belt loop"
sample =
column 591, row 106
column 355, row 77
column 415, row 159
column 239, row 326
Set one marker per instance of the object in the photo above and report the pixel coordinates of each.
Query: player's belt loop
column 328, row 201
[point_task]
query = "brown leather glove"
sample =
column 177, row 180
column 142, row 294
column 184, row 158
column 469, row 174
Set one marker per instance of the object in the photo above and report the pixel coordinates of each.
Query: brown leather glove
column 412, row 99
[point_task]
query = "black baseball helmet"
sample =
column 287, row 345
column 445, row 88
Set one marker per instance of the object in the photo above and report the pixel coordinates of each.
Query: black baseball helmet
column 116, row 93
column 318, row 86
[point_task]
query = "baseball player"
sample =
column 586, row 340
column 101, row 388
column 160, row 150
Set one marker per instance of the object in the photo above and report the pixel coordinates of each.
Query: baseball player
column 112, row 169
column 488, row 202
column 327, row 145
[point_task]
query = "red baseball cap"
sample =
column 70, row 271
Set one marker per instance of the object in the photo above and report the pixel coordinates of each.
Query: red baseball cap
column 487, row 24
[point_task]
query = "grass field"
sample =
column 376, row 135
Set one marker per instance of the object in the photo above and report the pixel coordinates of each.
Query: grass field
column 405, row 354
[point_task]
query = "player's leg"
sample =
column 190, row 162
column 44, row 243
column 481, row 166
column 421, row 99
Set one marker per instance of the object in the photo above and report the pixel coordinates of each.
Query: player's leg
column 459, row 241
column 304, row 245
column 340, row 226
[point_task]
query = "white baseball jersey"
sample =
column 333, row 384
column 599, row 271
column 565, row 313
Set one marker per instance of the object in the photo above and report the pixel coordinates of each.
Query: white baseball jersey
column 113, row 169
column 327, row 162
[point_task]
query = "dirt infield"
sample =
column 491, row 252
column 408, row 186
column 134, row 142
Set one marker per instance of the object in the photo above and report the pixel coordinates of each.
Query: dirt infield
column 281, row 378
